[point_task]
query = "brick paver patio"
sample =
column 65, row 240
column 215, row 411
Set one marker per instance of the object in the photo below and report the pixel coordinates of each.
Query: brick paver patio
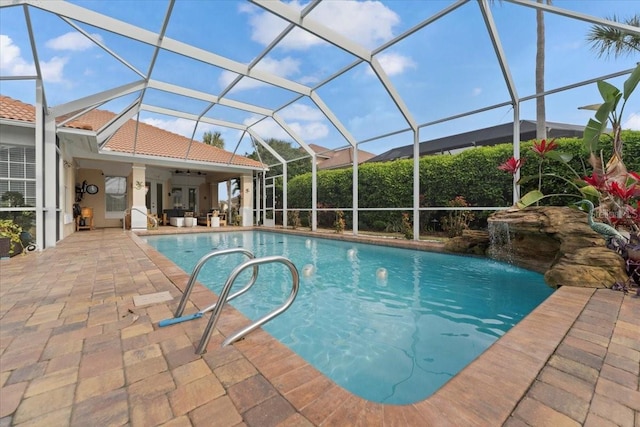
column 75, row 350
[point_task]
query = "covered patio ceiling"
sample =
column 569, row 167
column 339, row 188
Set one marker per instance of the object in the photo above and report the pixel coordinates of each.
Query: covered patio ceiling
column 314, row 72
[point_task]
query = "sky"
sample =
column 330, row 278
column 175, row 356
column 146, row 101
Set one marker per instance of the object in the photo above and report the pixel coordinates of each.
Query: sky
column 444, row 69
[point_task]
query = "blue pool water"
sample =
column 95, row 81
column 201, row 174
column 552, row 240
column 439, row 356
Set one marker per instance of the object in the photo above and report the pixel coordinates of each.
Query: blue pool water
column 393, row 341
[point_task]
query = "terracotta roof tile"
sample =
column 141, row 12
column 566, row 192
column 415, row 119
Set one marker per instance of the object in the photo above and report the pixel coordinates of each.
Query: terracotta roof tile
column 16, row 110
column 151, row 141
column 335, row 159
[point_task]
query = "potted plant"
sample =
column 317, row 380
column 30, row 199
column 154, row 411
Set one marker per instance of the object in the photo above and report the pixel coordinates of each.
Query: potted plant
column 10, row 242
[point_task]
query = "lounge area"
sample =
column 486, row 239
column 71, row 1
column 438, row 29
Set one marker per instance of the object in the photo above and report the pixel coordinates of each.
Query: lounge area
column 187, row 218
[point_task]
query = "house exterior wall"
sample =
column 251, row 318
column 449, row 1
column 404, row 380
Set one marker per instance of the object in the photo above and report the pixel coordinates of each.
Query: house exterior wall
column 96, row 201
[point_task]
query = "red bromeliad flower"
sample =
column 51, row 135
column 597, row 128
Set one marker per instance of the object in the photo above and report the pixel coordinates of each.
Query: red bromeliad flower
column 543, row 147
column 512, row 165
column 622, row 192
column 635, row 176
column 595, row 180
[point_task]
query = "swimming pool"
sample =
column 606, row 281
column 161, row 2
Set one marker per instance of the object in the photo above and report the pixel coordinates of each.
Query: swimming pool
column 393, row 339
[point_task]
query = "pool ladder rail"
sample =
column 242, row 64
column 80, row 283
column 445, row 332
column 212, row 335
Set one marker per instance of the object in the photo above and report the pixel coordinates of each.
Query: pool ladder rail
column 225, row 297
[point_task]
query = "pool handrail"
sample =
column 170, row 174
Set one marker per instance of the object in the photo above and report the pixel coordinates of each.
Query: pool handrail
column 204, row 341
column 196, row 271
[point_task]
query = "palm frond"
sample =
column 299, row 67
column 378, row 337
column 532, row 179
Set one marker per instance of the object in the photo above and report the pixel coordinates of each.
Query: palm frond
column 607, row 41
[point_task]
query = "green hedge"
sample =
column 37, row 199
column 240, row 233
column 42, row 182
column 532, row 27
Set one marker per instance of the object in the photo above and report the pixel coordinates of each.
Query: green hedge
column 473, row 174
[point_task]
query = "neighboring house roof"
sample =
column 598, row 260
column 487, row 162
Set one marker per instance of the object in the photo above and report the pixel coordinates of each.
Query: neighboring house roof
column 488, row 136
column 341, row 158
column 150, row 141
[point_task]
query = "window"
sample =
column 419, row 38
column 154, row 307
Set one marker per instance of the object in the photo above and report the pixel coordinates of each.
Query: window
column 18, row 185
column 115, row 189
column 18, row 176
column 176, row 196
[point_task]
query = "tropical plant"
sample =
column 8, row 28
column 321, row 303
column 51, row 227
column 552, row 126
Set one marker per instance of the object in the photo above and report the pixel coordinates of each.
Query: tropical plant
column 609, row 41
column 615, row 186
column 546, row 151
column 213, row 138
column 13, row 231
column 23, row 218
column 610, row 183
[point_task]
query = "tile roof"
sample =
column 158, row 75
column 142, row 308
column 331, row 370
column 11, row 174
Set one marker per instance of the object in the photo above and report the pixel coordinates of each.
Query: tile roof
column 16, row 110
column 151, row 141
column 335, row 159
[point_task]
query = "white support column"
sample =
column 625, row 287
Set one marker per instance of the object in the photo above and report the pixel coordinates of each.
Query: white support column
column 516, row 149
column 314, row 193
column 50, row 183
column 40, row 169
column 416, row 185
column 258, row 198
column 263, row 206
column 139, row 204
column 354, row 196
column 246, row 196
column 284, row 195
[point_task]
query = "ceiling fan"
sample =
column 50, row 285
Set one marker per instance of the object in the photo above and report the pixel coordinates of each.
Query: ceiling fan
column 188, row 172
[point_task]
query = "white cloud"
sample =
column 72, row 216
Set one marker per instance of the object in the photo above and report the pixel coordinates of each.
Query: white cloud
column 11, row 62
column 72, row 41
column 226, row 77
column 14, row 64
column 285, row 67
column 268, row 129
column 309, row 131
column 632, row 122
column 301, row 112
column 368, row 23
column 394, row 63
column 476, row 91
column 180, row 126
column 53, row 70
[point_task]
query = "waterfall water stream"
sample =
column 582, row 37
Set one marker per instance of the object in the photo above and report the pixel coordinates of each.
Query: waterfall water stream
column 500, row 246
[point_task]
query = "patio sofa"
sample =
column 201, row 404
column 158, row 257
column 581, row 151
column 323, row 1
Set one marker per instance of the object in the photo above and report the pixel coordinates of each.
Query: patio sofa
column 176, row 217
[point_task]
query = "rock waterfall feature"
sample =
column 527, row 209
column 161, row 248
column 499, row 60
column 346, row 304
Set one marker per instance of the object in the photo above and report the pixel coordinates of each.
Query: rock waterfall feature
column 555, row 241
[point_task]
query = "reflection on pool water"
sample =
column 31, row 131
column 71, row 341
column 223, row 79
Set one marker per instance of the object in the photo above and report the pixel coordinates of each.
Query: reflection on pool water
column 390, row 325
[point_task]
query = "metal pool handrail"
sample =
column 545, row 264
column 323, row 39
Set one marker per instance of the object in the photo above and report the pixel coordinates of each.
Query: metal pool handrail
column 225, row 291
column 196, row 271
column 129, row 210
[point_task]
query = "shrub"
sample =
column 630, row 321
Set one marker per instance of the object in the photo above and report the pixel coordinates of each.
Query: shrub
column 407, row 227
column 13, row 231
column 455, row 222
column 339, row 223
column 379, row 225
column 294, row 219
